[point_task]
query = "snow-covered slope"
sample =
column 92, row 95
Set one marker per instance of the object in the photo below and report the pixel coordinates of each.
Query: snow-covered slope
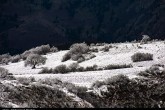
column 120, row 55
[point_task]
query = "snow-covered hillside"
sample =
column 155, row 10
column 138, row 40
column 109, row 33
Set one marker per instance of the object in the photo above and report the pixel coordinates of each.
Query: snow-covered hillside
column 120, row 54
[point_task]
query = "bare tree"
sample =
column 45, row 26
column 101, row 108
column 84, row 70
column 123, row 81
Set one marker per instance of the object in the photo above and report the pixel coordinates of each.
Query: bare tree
column 145, row 39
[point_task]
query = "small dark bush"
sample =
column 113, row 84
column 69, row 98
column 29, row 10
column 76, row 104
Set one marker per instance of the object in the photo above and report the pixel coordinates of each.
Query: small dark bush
column 137, row 57
column 73, row 67
column 61, row 69
column 80, row 69
column 66, row 57
column 76, row 51
column 100, row 68
column 91, row 68
column 79, row 48
column 41, row 50
column 109, row 67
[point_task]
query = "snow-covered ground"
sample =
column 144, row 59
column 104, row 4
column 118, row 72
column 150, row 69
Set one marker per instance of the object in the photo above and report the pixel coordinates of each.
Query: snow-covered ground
column 120, row 55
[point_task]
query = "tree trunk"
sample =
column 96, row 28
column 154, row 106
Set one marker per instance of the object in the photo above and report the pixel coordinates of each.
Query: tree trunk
column 34, row 66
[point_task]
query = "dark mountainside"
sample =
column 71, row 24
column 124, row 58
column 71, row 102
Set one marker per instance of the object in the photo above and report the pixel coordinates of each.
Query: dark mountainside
column 29, row 23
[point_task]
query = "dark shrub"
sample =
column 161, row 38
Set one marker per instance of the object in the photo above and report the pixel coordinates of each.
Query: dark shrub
column 73, row 67
column 137, row 57
column 66, row 57
column 41, row 50
column 91, row 68
column 80, row 69
column 76, row 51
column 109, row 67
column 79, row 48
column 61, row 69
column 100, row 68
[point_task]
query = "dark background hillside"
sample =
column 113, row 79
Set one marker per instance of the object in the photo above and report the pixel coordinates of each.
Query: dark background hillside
column 29, row 23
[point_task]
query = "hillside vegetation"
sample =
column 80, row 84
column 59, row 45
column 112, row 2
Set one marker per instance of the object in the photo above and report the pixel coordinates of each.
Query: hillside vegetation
column 121, row 75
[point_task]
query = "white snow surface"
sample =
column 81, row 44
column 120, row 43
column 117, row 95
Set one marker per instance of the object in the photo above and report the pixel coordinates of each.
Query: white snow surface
column 120, row 55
